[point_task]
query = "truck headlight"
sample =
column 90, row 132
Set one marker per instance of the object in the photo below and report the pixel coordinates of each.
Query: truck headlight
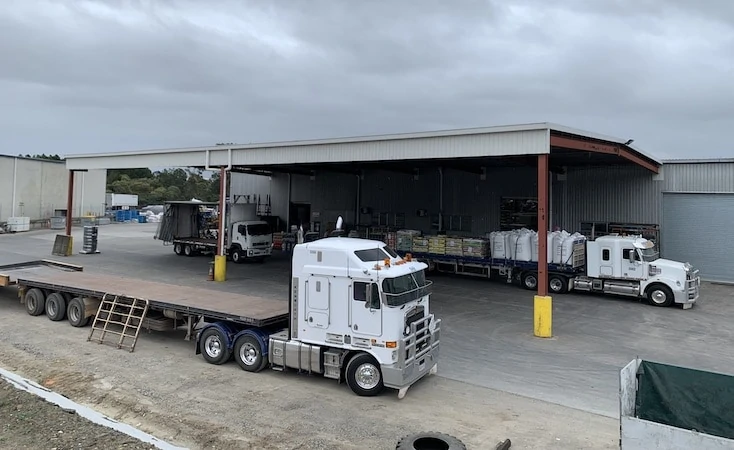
column 407, row 330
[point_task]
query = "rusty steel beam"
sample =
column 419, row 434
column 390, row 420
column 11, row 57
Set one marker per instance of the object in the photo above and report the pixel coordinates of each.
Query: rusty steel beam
column 607, row 149
column 69, row 203
column 543, row 225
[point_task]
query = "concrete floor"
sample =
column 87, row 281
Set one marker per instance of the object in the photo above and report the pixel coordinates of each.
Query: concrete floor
column 487, row 336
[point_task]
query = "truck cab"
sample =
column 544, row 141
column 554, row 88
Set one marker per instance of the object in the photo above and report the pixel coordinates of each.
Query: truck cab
column 250, row 239
column 630, row 265
column 365, row 311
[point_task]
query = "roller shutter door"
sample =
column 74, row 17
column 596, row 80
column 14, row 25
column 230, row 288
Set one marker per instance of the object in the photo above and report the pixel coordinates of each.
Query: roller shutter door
column 697, row 228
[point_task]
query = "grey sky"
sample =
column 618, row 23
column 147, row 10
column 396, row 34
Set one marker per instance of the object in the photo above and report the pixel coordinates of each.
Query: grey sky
column 96, row 76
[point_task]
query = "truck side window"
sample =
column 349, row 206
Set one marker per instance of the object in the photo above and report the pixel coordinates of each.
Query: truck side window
column 605, row 254
column 626, row 253
column 241, row 230
column 360, row 291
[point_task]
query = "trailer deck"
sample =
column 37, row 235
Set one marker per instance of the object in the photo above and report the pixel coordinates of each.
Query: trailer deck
column 211, row 304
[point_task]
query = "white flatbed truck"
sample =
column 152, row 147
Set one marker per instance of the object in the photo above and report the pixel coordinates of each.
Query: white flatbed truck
column 357, row 312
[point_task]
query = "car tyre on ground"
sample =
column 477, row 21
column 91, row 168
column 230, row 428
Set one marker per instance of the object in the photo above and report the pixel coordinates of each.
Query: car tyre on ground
column 430, row 441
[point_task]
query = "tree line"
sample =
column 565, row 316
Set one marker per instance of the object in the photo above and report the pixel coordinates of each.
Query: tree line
column 154, row 188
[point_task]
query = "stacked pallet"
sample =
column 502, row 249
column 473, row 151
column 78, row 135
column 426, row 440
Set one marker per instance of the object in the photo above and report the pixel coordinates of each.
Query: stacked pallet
column 475, row 248
column 420, row 244
column 437, row 245
column 391, row 239
column 405, row 240
column 454, row 246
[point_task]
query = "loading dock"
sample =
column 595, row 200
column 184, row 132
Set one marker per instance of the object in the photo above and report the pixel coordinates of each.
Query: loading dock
column 536, row 156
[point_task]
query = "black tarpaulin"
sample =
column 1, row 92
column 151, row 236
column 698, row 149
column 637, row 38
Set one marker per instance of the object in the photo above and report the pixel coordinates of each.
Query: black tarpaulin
column 686, row 398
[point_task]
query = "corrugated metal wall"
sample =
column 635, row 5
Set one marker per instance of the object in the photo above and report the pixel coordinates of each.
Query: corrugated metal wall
column 691, row 177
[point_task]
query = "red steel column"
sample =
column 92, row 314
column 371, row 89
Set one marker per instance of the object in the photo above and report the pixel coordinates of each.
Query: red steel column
column 69, row 203
column 543, row 225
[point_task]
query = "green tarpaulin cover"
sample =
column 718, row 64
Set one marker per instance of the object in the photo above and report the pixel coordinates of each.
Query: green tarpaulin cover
column 686, row 398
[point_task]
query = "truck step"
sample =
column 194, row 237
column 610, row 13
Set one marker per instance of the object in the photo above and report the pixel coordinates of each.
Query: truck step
column 333, row 364
column 119, row 319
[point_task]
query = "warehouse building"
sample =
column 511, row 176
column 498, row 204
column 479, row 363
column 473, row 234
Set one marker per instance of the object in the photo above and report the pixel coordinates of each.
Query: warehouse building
column 37, row 189
column 473, row 181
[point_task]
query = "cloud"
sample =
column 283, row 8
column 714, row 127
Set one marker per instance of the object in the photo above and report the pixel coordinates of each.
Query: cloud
column 90, row 76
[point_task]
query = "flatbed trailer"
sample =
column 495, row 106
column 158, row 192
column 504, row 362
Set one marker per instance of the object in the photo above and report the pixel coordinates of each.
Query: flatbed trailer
column 65, row 291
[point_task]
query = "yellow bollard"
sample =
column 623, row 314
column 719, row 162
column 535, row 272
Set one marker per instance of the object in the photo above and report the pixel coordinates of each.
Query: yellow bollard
column 220, row 268
column 543, row 316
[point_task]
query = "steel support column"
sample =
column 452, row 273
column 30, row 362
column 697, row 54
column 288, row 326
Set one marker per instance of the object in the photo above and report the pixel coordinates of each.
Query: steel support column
column 220, row 260
column 69, row 203
column 542, row 307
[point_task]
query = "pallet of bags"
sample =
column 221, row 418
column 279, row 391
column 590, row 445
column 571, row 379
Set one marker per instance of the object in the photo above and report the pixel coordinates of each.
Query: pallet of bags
column 475, row 247
column 454, row 246
column 405, row 240
column 420, row 244
column 437, row 245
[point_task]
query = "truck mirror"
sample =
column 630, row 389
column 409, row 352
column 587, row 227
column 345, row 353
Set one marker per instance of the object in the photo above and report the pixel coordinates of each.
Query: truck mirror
column 368, row 296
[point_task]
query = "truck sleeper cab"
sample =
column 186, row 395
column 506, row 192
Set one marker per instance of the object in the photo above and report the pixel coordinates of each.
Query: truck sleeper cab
column 358, row 313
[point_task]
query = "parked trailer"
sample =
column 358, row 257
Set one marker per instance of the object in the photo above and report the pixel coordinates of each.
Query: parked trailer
column 357, row 312
column 618, row 265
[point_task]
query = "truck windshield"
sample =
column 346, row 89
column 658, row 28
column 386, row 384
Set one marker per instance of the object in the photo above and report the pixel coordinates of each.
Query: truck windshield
column 649, row 254
column 406, row 288
column 375, row 254
column 258, row 229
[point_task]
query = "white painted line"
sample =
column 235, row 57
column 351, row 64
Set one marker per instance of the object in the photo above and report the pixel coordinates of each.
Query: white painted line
column 34, row 388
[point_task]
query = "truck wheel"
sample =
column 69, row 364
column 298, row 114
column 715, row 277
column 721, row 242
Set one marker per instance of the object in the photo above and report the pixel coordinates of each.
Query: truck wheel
column 56, row 306
column 249, row 354
column 214, row 347
column 75, row 313
column 178, row 249
column 35, row 302
column 363, row 375
column 188, row 250
column 430, row 441
column 237, row 256
column 659, row 295
column 558, row 284
column 530, row 281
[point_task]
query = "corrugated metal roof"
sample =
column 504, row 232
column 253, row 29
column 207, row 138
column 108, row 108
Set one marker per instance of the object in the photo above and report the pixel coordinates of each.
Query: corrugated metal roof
column 498, row 141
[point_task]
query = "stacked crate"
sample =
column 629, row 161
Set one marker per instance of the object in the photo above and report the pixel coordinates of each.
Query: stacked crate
column 437, row 245
column 454, row 246
column 420, row 244
column 405, row 240
column 475, row 248
column 390, row 239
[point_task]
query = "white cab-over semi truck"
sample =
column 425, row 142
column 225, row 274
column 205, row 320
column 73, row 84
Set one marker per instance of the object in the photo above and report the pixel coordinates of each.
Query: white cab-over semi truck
column 358, row 312
column 619, row 265
column 185, row 226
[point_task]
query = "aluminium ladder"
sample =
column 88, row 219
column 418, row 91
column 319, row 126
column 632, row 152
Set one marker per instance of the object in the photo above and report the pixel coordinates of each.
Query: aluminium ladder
column 121, row 317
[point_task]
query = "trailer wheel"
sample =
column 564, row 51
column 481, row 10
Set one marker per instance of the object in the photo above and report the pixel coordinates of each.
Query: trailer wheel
column 364, row 376
column 659, row 295
column 558, row 284
column 56, row 306
column 178, row 249
column 35, row 302
column 188, row 250
column 249, row 354
column 75, row 313
column 430, row 441
column 214, row 346
column 530, row 281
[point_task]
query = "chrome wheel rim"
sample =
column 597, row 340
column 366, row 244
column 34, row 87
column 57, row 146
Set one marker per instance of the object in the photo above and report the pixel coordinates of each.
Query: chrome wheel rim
column 531, row 282
column 213, row 346
column 556, row 285
column 658, row 296
column 74, row 313
column 51, row 308
column 248, row 354
column 367, row 376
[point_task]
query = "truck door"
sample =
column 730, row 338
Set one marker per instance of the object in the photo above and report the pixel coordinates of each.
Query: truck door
column 632, row 267
column 317, row 302
column 366, row 311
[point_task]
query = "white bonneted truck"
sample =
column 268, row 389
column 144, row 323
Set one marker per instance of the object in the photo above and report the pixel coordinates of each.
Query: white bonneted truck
column 357, row 312
column 613, row 264
column 186, row 226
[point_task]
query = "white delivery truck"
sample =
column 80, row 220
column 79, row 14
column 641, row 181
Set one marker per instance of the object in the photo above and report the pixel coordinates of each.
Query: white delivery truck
column 187, row 226
column 613, row 264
